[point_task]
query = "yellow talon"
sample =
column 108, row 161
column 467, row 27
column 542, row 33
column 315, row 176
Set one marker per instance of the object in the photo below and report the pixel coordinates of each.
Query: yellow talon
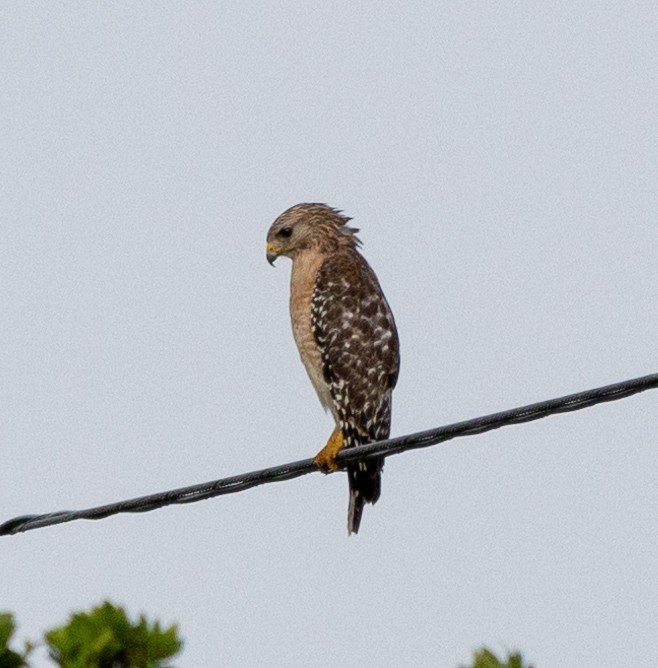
column 326, row 458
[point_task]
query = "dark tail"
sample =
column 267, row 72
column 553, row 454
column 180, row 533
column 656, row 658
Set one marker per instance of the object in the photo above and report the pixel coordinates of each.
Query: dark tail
column 365, row 480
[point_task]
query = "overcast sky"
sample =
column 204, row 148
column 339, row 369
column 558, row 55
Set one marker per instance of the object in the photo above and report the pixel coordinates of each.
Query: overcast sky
column 501, row 160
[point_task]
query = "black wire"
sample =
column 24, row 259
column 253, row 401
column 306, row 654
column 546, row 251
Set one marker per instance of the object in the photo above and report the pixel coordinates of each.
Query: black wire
column 393, row 446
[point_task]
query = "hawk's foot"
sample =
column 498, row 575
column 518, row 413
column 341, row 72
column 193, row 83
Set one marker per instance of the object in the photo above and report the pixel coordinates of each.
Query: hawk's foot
column 326, row 458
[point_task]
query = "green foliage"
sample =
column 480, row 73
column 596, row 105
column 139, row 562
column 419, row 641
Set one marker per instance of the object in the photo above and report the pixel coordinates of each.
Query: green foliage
column 9, row 658
column 487, row 659
column 106, row 638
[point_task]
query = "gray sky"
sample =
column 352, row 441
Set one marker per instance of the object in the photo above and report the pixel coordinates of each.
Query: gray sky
column 501, row 160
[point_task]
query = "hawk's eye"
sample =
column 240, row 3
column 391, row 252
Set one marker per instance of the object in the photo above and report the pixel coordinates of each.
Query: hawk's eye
column 285, row 232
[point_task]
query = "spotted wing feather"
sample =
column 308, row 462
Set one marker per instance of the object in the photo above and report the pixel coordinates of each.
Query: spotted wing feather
column 358, row 342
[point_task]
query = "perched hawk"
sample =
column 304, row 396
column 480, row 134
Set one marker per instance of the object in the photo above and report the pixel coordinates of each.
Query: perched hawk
column 346, row 336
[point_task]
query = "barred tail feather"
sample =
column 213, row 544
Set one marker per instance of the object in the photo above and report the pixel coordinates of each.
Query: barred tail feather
column 365, row 479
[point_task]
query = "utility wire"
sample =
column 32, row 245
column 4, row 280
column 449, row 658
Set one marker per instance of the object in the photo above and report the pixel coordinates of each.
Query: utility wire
column 392, row 446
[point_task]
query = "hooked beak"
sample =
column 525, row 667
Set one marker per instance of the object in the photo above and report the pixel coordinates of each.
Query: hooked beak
column 271, row 253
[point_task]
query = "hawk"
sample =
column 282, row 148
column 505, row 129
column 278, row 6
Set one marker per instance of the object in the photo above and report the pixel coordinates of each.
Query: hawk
column 346, row 336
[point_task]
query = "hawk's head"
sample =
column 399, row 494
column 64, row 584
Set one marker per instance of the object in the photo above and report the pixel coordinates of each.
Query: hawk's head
column 309, row 226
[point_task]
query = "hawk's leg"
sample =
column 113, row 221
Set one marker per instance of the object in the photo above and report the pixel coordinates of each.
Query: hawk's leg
column 326, row 458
